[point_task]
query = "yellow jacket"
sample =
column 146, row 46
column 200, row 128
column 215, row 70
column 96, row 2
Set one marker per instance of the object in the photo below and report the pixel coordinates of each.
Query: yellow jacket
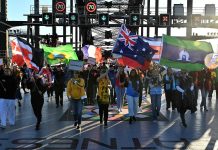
column 76, row 90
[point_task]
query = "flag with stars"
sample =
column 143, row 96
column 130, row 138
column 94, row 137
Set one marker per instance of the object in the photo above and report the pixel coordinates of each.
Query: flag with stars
column 123, row 50
column 144, row 49
column 125, row 45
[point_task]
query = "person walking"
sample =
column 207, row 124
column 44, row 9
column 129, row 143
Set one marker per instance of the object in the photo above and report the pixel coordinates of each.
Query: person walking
column 59, row 85
column 119, row 88
column 8, row 88
column 155, row 91
column 132, row 94
column 170, row 88
column 103, row 97
column 185, row 88
column 38, row 87
column 75, row 92
column 205, row 83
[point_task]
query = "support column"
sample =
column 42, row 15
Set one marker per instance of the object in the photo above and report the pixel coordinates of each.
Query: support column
column 157, row 16
column 53, row 11
column 71, row 28
column 148, row 14
column 189, row 13
column 28, row 29
column 142, row 12
column 36, row 12
column 3, row 28
column 76, row 39
column 169, row 11
column 64, row 30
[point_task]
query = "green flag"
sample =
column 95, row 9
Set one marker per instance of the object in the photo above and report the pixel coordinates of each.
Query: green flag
column 60, row 54
column 184, row 54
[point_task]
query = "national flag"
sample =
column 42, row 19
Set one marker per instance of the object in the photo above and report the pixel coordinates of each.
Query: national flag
column 144, row 49
column 60, row 54
column 184, row 54
column 17, row 56
column 92, row 51
column 22, row 53
column 123, row 50
column 125, row 61
column 156, row 44
column 127, row 37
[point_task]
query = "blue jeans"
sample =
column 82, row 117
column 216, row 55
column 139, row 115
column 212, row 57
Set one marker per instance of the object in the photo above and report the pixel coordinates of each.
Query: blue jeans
column 120, row 96
column 132, row 105
column 155, row 104
column 77, row 106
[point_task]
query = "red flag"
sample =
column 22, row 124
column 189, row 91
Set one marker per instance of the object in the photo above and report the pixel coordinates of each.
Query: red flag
column 125, row 61
column 17, row 56
column 98, row 55
column 22, row 53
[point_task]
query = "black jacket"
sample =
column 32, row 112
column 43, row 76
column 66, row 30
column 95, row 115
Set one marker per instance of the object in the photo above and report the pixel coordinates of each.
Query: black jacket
column 8, row 87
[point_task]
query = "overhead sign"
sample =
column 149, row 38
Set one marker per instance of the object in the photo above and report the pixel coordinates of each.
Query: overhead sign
column 76, row 65
column 91, row 7
column 60, row 6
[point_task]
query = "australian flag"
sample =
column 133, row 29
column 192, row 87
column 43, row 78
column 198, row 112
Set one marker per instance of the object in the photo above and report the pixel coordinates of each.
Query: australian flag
column 143, row 48
column 123, row 50
column 130, row 45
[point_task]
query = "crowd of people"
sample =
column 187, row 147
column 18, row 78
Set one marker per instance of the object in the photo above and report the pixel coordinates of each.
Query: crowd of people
column 105, row 85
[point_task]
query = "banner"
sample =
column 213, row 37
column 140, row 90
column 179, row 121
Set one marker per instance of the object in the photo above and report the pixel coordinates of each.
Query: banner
column 75, row 65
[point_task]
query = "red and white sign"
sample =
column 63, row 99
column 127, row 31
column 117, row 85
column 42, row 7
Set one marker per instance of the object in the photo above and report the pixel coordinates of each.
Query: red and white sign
column 60, row 7
column 91, row 7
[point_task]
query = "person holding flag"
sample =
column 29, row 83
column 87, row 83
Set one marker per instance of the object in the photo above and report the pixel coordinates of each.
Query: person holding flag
column 37, row 86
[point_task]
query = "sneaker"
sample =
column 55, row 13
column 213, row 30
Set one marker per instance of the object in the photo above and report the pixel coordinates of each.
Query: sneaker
column 78, row 127
column 75, row 124
column 37, row 127
column 140, row 109
column 130, row 120
column 105, row 124
column 134, row 118
column 184, row 124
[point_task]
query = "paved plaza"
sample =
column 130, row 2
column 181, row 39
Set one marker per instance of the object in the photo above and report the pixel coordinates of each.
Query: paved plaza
column 55, row 133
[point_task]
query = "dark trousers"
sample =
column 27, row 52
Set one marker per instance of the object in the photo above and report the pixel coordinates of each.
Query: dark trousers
column 182, row 115
column 112, row 95
column 59, row 97
column 170, row 98
column 37, row 104
column 91, row 93
column 50, row 91
column 140, row 96
column 18, row 94
column 103, row 110
column 196, row 89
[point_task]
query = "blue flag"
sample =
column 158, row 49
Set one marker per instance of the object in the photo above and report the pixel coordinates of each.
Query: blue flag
column 123, row 50
column 143, row 48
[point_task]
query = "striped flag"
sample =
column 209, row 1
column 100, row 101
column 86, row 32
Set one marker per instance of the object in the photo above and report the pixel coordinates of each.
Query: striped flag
column 93, row 52
column 156, row 44
column 22, row 53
